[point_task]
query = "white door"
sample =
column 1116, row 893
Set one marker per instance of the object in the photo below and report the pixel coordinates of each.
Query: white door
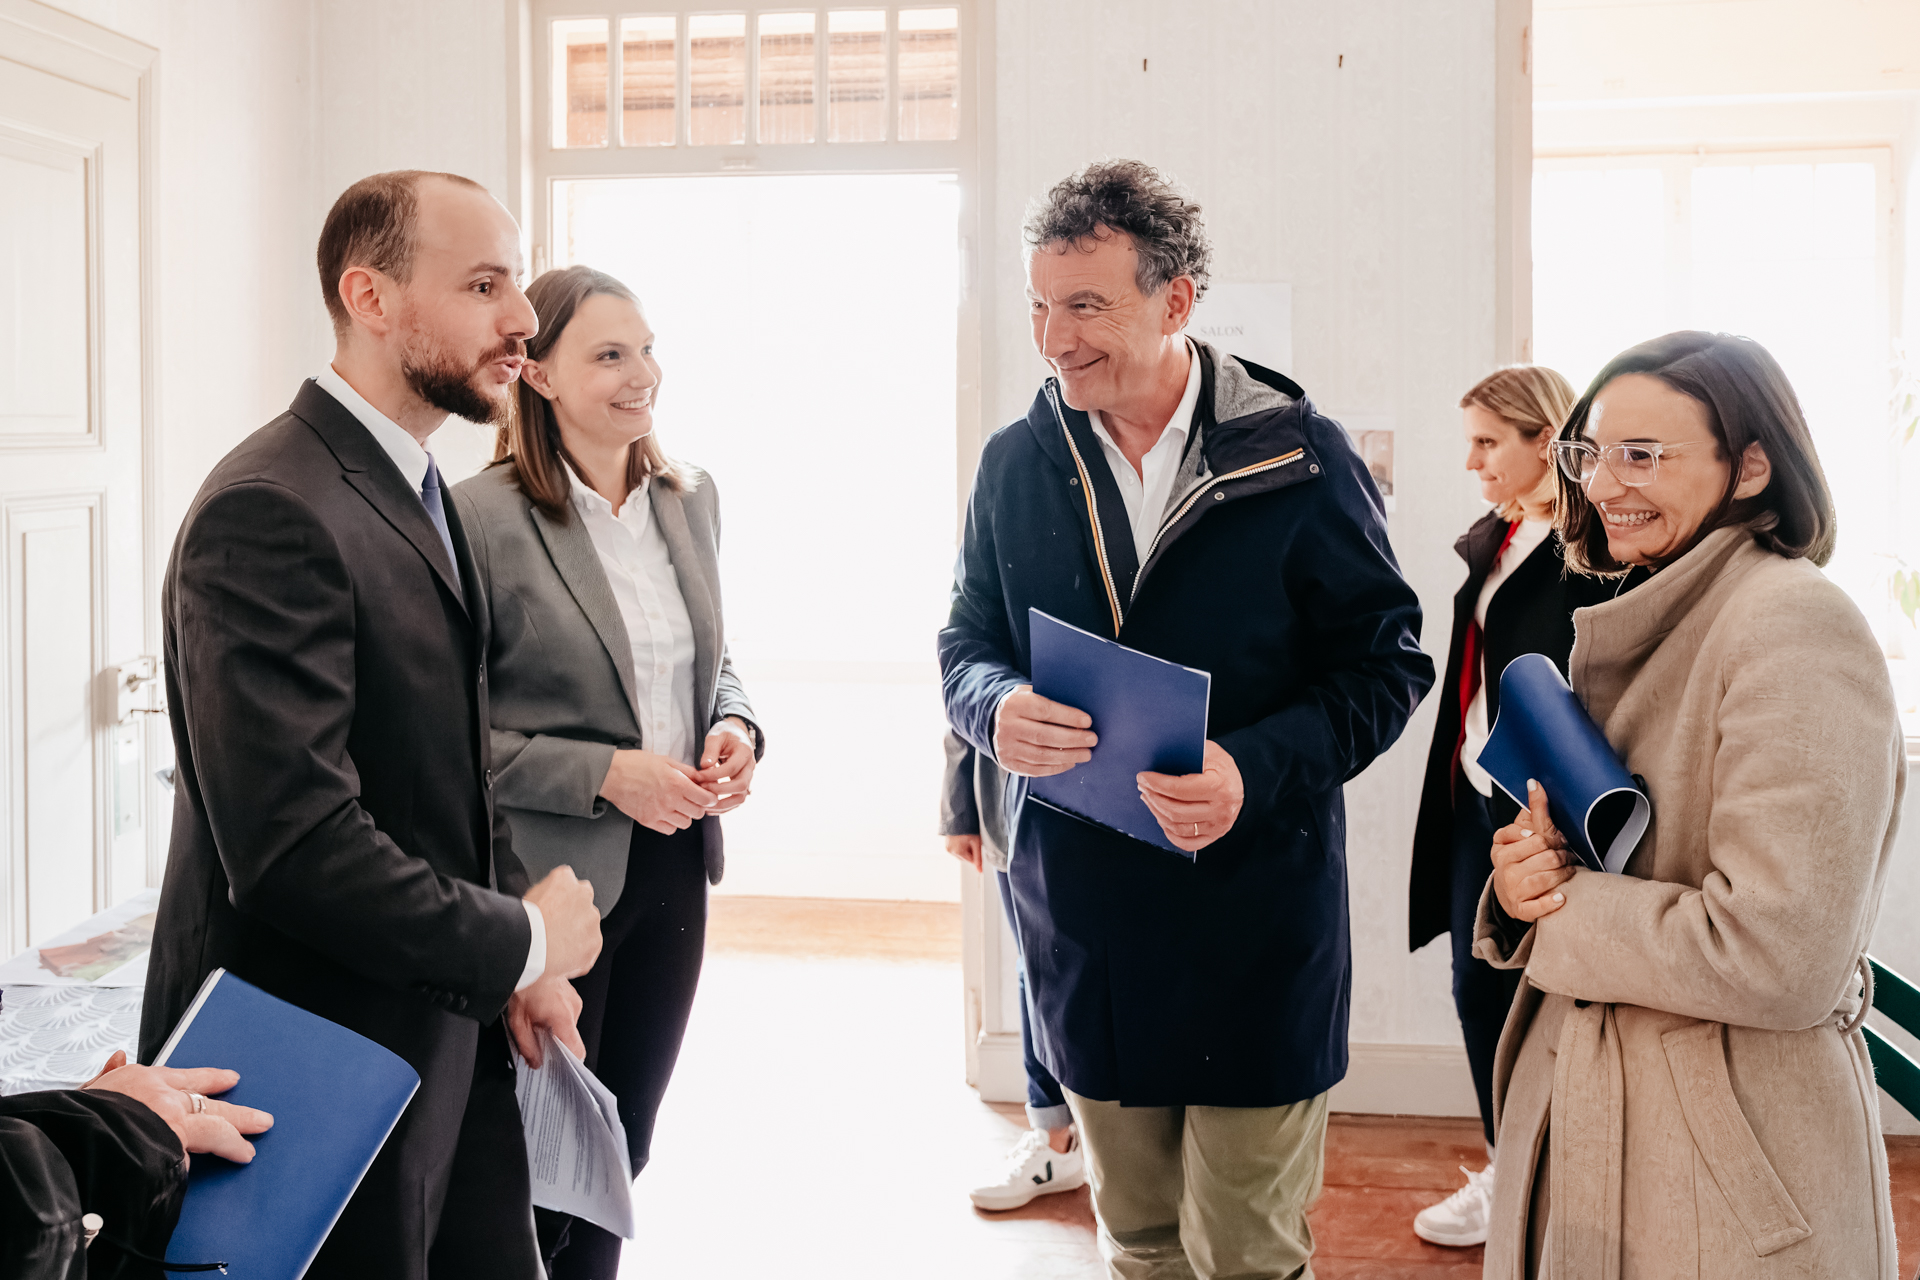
column 72, row 409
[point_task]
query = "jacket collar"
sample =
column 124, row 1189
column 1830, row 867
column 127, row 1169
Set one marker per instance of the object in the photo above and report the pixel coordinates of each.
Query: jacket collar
column 1479, row 543
column 698, row 591
column 1613, row 640
column 372, row 473
column 1249, row 422
column 577, row 561
column 571, row 549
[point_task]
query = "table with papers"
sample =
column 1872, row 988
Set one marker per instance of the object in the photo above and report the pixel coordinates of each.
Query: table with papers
column 69, row 1002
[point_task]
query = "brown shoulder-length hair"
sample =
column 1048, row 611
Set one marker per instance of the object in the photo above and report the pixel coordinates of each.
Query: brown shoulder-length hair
column 1748, row 401
column 530, row 441
column 1530, row 398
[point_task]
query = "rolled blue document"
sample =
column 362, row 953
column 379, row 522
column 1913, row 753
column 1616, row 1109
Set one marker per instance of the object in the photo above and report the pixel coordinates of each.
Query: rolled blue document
column 1545, row 734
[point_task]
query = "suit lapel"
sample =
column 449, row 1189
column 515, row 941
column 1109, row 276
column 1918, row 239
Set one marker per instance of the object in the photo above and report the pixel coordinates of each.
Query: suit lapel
column 570, row 547
column 670, row 513
column 371, row 472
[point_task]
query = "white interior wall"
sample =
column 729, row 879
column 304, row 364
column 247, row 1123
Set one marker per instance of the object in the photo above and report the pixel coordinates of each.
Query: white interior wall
column 267, row 110
column 1349, row 150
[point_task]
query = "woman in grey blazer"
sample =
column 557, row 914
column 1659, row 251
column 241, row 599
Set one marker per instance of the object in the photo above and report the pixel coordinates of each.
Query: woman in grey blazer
column 620, row 731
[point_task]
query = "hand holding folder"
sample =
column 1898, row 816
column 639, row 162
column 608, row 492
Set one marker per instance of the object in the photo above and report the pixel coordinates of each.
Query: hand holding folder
column 1150, row 716
column 1544, row 733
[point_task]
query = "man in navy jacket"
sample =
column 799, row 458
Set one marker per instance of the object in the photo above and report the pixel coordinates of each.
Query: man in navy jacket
column 1198, row 508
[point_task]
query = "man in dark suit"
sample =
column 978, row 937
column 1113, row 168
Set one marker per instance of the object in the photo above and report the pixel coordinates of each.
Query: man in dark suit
column 335, row 840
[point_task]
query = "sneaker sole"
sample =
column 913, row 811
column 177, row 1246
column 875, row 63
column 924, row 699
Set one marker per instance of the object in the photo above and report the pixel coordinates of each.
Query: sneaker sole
column 1465, row 1240
column 997, row 1204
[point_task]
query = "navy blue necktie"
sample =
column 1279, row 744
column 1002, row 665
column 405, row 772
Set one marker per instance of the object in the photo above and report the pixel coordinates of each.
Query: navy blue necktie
column 430, row 495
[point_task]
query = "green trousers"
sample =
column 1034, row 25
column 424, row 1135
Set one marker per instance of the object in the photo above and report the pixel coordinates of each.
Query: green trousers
column 1204, row 1193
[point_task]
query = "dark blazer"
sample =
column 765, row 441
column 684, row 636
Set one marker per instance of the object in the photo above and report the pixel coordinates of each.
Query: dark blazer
column 334, row 836
column 1222, row 981
column 1532, row 612
column 562, row 668
column 973, row 800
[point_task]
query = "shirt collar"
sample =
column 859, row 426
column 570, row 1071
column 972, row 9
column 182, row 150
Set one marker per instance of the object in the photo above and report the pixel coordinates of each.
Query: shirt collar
column 1180, row 425
column 590, row 500
column 406, row 452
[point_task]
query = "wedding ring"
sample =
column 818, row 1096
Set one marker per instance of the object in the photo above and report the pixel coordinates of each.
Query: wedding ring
column 1196, row 831
column 199, row 1102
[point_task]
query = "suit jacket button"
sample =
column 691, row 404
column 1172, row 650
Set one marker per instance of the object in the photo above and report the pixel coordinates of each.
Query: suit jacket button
column 483, row 673
column 489, row 779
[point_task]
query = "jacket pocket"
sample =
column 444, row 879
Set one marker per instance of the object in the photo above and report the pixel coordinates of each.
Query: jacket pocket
column 1697, row 1056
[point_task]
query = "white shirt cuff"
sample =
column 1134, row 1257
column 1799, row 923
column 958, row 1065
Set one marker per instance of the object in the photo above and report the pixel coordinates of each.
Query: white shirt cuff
column 536, row 949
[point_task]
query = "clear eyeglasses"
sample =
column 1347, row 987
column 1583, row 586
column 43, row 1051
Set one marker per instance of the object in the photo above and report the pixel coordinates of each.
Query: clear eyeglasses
column 1634, row 465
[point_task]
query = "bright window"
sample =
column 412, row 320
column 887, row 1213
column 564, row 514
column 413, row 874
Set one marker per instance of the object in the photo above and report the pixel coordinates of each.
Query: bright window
column 806, row 336
column 1788, row 249
column 753, row 77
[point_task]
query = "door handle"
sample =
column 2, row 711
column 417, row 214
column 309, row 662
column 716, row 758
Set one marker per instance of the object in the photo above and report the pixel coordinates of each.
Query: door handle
column 138, row 688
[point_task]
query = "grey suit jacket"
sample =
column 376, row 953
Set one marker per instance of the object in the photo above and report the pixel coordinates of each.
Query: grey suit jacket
column 560, row 670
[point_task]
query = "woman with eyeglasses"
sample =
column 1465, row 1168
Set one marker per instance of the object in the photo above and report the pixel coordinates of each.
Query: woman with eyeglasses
column 1517, row 598
column 1684, row 1089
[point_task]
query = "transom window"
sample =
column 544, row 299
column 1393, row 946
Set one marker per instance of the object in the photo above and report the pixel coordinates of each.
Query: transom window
column 782, row 78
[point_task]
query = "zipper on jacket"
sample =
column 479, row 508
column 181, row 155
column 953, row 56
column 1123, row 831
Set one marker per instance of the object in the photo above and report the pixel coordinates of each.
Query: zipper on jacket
column 1193, row 496
column 1093, row 512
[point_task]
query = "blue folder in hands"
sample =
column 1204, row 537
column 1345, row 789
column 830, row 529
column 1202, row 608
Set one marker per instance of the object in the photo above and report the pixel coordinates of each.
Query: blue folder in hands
column 334, row 1096
column 1545, row 734
column 1150, row 716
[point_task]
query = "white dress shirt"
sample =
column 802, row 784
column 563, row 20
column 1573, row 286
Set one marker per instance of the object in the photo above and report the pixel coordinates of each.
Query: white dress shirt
column 1526, row 539
column 1147, row 490
column 633, row 552
column 413, row 459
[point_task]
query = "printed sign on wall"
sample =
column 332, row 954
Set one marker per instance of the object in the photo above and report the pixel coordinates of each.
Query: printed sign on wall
column 1253, row 321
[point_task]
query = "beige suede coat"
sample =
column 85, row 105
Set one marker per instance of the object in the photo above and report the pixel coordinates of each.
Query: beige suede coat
column 1681, row 1044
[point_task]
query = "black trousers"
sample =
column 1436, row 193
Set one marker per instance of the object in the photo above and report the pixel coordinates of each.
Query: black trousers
column 634, row 1007
column 1482, row 994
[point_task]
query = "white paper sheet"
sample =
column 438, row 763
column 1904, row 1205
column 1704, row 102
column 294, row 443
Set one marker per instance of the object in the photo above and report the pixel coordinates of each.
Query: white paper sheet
column 108, row 949
column 576, row 1145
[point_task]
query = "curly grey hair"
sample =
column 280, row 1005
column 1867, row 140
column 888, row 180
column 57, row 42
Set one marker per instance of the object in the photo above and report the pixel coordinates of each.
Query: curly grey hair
column 1127, row 195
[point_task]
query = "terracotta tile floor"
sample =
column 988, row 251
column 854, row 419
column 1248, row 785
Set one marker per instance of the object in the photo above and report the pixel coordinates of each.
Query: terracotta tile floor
column 818, row 1126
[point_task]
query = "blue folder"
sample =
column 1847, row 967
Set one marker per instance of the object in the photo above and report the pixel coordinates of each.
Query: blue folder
column 334, row 1096
column 1545, row 734
column 1149, row 714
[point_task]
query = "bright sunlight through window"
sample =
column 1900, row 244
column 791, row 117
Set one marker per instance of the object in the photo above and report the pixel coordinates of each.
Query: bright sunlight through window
column 806, row 330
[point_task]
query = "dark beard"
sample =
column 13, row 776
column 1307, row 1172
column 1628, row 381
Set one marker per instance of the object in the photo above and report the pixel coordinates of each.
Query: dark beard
column 446, row 386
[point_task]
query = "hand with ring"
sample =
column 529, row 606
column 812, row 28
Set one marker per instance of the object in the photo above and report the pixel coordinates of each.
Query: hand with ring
column 202, row 1124
column 1199, row 808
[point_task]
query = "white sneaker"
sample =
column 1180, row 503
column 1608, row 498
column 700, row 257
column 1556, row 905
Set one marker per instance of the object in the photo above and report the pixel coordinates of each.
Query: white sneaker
column 1461, row 1219
column 1034, row 1169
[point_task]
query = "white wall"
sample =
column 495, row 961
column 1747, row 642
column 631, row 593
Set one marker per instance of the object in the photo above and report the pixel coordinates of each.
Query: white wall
column 267, row 110
column 420, row 85
column 1349, row 150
